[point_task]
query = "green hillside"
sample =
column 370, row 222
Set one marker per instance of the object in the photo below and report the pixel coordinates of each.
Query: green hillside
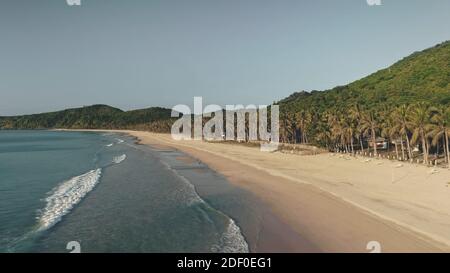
column 403, row 110
column 422, row 76
column 90, row 117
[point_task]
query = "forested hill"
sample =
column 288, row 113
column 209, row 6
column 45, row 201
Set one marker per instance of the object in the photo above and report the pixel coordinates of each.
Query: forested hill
column 422, row 76
column 408, row 101
column 95, row 116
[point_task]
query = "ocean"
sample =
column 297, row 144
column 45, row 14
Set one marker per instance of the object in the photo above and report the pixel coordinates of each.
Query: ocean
column 107, row 193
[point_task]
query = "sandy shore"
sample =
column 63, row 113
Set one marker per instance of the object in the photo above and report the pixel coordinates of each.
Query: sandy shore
column 337, row 203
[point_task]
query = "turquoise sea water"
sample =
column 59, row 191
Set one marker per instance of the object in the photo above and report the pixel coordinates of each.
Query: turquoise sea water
column 110, row 194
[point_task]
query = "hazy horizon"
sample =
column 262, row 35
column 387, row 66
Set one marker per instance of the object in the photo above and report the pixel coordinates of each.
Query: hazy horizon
column 139, row 54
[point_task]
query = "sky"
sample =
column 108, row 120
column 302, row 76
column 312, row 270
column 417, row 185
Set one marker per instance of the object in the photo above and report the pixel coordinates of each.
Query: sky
column 134, row 54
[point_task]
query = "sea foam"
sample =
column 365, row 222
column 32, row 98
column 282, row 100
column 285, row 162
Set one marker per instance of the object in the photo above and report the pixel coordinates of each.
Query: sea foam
column 232, row 240
column 64, row 197
column 118, row 159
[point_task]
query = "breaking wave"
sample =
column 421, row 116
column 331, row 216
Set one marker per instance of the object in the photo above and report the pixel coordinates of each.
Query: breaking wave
column 64, row 197
column 118, row 159
column 232, row 240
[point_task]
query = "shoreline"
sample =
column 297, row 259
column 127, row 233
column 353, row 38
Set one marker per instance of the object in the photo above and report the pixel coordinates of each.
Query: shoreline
column 262, row 230
column 310, row 210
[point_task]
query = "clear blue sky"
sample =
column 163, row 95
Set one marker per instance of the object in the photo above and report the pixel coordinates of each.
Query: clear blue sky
column 140, row 53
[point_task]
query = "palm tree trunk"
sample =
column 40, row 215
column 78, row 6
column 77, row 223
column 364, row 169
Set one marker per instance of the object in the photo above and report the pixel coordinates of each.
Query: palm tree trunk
column 445, row 151
column 361, row 143
column 374, row 142
column 351, row 143
column 444, row 143
column 424, row 149
column 403, row 148
column 408, row 146
column 438, row 146
column 396, row 149
column 447, row 148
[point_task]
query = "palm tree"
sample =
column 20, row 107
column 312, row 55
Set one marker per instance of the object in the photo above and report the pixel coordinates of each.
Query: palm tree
column 303, row 120
column 356, row 114
column 401, row 117
column 441, row 129
column 369, row 125
column 420, row 124
column 389, row 131
column 336, row 128
column 285, row 126
column 348, row 127
column 323, row 135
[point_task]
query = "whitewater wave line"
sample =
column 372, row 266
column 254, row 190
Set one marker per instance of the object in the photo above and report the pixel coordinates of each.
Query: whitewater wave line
column 65, row 196
column 232, row 239
column 120, row 158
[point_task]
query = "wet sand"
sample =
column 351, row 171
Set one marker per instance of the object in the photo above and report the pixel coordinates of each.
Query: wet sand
column 263, row 230
column 322, row 222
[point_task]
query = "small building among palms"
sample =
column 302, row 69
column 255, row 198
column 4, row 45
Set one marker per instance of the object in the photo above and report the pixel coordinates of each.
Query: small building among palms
column 381, row 143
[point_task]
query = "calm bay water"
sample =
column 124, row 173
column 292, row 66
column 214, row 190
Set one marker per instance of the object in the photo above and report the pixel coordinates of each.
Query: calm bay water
column 112, row 195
